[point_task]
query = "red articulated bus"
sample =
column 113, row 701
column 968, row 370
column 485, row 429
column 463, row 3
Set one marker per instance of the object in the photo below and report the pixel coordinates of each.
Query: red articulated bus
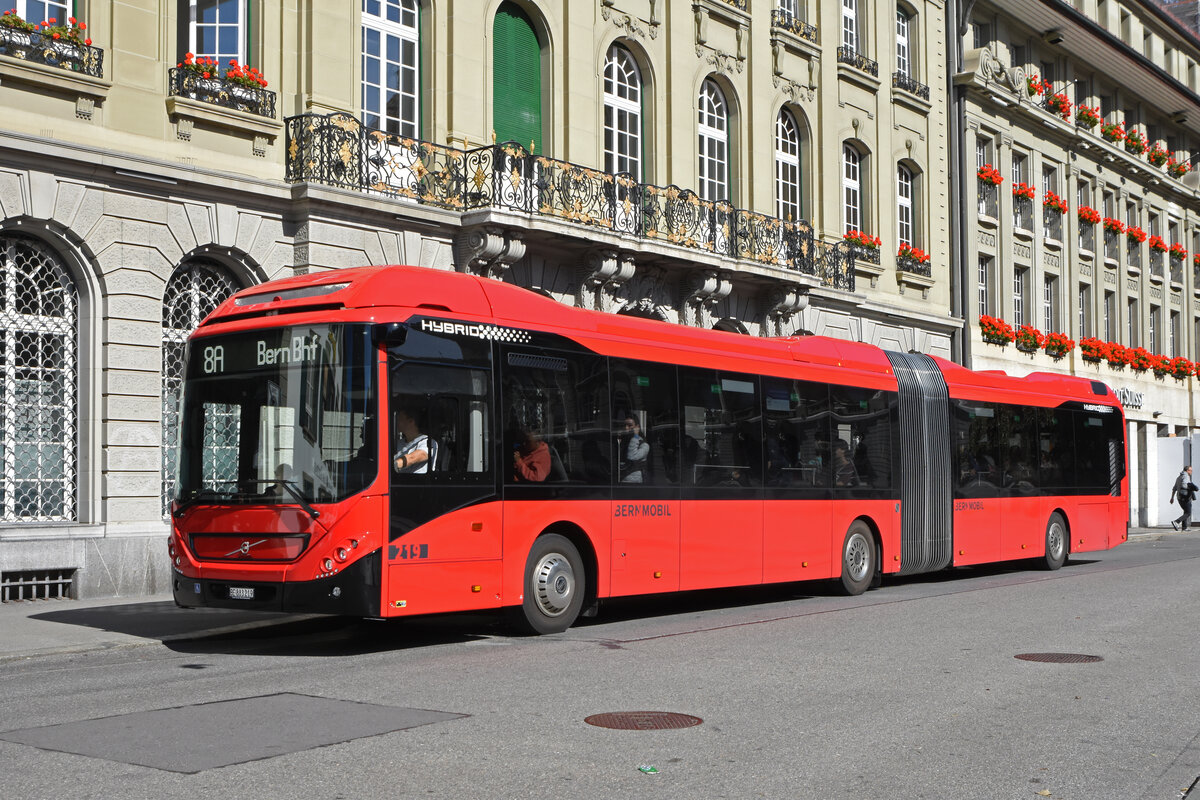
column 394, row 441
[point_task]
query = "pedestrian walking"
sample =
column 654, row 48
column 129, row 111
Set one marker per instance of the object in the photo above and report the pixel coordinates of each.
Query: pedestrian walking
column 1185, row 492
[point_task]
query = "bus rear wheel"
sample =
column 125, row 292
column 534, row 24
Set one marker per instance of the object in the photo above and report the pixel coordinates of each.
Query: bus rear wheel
column 858, row 559
column 1056, row 542
column 553, row 588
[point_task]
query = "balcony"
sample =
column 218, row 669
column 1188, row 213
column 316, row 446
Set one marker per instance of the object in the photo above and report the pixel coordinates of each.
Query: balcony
column 849, row 56
column 989, row 200
column 337, row 150
column 786, row 21
column 912, row 266
column 1087, row 237
column 1023, row 214
column 34, row 48
column 907, row 83
column 1157, row 265
column 217, row 92
column 1052, row 224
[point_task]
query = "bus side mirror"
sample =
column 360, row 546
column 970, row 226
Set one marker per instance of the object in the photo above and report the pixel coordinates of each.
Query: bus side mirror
column 391, row 335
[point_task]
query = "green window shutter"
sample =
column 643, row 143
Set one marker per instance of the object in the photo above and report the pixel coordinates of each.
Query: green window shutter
column 516, row 78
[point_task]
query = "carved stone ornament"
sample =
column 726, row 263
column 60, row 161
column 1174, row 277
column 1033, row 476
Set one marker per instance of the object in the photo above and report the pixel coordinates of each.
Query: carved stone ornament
column 783, row 304
column 981, row 66
column 705, row 288
column 721, row 62
column 647, row 294
column 487, row 251
column 602, row 280
column 794, row 91
column 632, row 27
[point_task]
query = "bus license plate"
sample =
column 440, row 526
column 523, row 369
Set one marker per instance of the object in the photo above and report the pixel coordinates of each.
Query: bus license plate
column 241, row 592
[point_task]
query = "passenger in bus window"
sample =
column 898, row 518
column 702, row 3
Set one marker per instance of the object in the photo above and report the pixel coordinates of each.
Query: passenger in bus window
column 414, row 453
column 634, row 450
column 531, row 458
column 844, row 473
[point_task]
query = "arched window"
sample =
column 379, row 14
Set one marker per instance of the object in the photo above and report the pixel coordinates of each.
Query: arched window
column 714, row 143
column 852, row 205
column 622, row 113
column 39, row 378
column 516, row 78
column 787, row 166
column 391, row 64
column 192, row 293
column 905, row 222
column 904, row 28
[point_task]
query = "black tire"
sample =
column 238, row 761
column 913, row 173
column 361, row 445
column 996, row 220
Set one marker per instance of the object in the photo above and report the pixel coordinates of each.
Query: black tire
column 554, row 586
column 1057, row 542
column 859, row 561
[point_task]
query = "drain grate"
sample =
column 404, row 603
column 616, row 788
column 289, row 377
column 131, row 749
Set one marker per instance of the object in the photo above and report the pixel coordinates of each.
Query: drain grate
column 1059, row 658
column 643, row 720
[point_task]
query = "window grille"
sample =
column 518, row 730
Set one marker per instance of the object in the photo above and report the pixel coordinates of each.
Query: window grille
column 37, row 584
column 39, row 370
column 194, row 292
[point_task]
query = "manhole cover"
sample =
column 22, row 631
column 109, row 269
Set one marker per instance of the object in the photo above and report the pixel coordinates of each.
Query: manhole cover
column 642, row 720
column 1059, row 658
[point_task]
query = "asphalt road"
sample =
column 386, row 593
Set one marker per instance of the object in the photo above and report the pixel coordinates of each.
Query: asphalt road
column 910, row 691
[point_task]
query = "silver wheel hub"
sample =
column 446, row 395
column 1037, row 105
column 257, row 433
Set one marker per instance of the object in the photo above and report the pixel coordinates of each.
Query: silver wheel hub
column 858, row 557
column 553, row 584
column 1055, row 541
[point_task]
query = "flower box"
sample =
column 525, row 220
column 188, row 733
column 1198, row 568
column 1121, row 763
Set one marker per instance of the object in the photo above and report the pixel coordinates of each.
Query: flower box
column 1023, row 190
column 1060, row 105
column 1029, row 339
column 1180, row 368
column 989, row 174
column 1054, row 203
column 1140, row 358
column 1178, row 168
column 1058, row 345
column 1113, row 225
column 860, row 239
column 1035, row 85
column 1093, row 349
column 995, row 331
column 1157, row 155
column 1087, row 116
column 1178, row 251
column 1157, row 244
column 1135, row 234
column 1088, row 215
column 1112, row 132
column 1135, row 142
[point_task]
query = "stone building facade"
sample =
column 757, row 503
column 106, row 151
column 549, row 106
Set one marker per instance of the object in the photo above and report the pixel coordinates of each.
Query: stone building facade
column 696, row 162
column 1036, row 259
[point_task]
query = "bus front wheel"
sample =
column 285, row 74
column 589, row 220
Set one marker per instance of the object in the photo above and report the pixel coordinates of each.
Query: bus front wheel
column 554, row 586
column 858, row 558
column 1056, row 542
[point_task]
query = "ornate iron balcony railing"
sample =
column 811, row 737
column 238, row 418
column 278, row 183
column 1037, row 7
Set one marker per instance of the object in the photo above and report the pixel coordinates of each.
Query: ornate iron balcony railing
column 914, row 267
column 908, row 83
column 1023, row 213
column 846, row 55
column 789, row 22
column 219, row 92
column 39, row 49
column 1133, row 254
column 869, row 255
column 989, row 200
column 1087, row 236
column 1157, row 260
column 338, row 150
column 1176, row 270
column 1052, row 224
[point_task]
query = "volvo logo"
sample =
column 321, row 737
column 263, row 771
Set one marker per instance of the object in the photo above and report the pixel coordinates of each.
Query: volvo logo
column 245, row 548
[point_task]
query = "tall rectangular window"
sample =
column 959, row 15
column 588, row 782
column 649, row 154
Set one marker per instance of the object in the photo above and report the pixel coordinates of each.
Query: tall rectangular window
column 1050, row 304
column 984, row 285
column 1085, row 310
column 904, row 204
column 851, row 189
column 391, row 66
column 217, row 30
column 903, row 57
column 1110, row 315
column 1155, row 323
column 850, row 24
column 1173, row 334
column 1020, row 291
column 1131, row 323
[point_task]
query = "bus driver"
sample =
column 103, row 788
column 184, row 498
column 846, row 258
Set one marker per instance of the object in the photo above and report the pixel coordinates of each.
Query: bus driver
column 414, row 454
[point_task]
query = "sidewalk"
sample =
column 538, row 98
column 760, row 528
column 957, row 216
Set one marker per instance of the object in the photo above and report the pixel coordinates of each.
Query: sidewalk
column 48, row 627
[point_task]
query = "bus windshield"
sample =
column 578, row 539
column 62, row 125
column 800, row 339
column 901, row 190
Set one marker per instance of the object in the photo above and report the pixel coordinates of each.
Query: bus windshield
column 281, row 415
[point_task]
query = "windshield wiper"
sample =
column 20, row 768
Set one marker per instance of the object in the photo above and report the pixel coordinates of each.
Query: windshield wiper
column 290, row 486
column 200, row 496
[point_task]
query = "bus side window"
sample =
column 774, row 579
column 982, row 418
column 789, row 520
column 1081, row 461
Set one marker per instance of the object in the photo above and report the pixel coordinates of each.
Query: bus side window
column 721, row 414
column 452, row 411
column 645, row 393
column 554, row 408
